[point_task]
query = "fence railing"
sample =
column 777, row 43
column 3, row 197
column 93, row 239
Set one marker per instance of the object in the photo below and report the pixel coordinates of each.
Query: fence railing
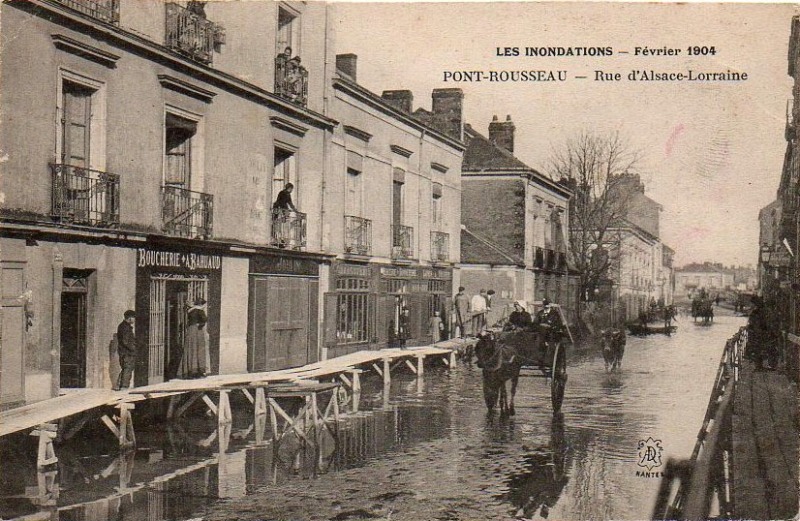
column 187, row 213
column 103, row 10
column 689, row 488
column 440, row 246
column 402, row 241
column 291, row 79
column 288, row 229
column 191, row 35
column 84, row 196
column 357, row 235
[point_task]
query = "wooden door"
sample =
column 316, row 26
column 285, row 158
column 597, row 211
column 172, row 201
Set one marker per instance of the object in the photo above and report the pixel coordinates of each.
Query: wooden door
column 12, row 359
column 73, row 339
column 279, row 323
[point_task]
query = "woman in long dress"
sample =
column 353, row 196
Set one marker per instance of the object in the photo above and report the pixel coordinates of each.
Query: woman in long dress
column 195, row 354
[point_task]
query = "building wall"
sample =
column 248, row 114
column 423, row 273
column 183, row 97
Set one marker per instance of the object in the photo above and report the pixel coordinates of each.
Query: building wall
column 233, row 316
column 508, row 282
column 495, row 208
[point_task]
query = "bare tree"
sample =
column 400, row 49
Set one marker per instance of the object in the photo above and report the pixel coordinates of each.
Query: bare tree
column 596, row 167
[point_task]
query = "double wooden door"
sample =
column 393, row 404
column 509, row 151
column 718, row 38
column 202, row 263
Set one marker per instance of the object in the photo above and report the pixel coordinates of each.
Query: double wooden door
column 282, row 322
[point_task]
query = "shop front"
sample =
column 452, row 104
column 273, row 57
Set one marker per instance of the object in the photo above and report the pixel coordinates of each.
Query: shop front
column 365, row 306
column 168, row 284
column 282, row 312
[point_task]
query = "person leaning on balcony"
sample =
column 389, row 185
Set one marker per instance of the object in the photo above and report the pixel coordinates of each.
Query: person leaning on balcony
column 126, row 347
column 283, row 204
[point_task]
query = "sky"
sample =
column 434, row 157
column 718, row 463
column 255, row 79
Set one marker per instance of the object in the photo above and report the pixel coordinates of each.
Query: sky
column 712, row 151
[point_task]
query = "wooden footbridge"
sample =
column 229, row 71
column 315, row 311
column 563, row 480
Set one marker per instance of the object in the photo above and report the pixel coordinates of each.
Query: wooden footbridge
column 322, row 389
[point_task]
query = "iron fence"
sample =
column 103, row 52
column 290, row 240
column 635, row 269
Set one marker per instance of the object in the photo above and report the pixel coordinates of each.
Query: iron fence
column 187, row 213
column 288, row 229
column 191, row 34
column 440, row 246
column 103, row 10
column 358, row 235
column 402, row 241
column 84, row 196
column 291, row 79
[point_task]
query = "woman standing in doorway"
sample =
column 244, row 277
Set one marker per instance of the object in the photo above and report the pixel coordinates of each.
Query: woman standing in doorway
column 195, row 354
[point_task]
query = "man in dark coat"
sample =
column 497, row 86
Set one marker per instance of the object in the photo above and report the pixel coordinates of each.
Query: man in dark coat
column 519, row 318
column 126, row 342
column 758, row 337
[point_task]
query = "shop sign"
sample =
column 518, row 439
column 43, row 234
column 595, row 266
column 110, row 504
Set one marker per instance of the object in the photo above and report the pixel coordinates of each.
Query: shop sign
column 174, row 259
column 284, row 266
column 398, row 272
column 353, row 270
column 436, row 274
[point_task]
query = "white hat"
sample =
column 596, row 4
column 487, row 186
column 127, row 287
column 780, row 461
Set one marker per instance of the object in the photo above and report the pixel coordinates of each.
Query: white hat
column 521, row 303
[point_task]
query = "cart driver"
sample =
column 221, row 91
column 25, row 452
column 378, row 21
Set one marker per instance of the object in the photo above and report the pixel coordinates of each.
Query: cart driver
column 519, row 318
column 548, row 321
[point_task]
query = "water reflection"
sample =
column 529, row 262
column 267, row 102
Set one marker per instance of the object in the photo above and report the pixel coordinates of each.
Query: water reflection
column 537, row 485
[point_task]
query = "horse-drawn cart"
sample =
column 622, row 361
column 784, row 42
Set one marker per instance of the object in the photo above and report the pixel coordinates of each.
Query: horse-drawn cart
column 541, row 350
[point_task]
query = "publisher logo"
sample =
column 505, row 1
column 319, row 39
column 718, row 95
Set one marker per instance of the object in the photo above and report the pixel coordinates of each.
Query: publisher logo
column 650, row 454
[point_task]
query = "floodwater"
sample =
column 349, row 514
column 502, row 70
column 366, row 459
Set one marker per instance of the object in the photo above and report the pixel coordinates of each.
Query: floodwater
column 428, row 451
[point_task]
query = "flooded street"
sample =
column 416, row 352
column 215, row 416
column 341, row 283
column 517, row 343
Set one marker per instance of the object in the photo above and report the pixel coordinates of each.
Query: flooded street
column 428, row 452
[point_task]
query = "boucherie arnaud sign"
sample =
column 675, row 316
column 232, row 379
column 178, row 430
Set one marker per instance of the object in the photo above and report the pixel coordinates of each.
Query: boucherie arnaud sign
column 175, row 259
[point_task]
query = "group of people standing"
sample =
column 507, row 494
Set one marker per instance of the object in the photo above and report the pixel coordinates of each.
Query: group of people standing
column 189, row 360
column 472, row 311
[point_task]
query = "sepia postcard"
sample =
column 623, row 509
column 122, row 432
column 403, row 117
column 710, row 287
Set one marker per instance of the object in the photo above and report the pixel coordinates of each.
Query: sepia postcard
column 308, row 260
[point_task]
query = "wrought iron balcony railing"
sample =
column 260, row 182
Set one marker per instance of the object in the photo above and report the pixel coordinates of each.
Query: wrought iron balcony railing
column 357, row 235
column 402, row 242
column 186, row 213
column 191, row 35
column 288, row 229
column 561, row 264
column 291, row 79
column 103, row 10
column 538, row 257
column 440, row 246
column 549, row 259
column 84, row 196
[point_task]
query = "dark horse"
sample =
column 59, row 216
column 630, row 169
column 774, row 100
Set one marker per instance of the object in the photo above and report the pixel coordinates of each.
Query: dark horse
column 704, row 309
column 613, row 341
column 500, row 363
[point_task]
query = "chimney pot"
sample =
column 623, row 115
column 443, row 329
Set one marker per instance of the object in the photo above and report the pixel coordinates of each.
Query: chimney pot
column 501, row 133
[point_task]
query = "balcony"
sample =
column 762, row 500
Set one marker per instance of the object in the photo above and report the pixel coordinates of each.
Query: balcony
column 440, row 247
column 102, row 10
column 288, row 229
column 549, row 259
column 357, row 235
column 186, row 213
column 561, row 264
column 291, row 79
column 190, row 34
column 402, row 242
column 85, row 196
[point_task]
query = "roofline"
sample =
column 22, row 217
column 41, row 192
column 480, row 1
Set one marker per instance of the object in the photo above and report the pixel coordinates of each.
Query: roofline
column 375, row 101
column 495, row 247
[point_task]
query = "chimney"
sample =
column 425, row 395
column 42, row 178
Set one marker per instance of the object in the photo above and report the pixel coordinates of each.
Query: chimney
column 402, row 100
column 447, row 108
column 346, row 64
column 501, row 133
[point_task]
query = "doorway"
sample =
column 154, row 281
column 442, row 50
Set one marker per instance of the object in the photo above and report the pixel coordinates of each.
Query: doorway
column 177, row 294
column 73, row 330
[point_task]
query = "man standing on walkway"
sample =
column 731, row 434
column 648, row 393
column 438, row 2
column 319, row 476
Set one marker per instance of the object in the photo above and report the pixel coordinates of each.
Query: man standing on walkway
column 126, row 341
column 479, row 308
column 461, row 308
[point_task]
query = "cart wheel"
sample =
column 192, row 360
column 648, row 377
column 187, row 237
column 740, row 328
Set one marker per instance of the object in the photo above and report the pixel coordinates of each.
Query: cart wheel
column 559, row 378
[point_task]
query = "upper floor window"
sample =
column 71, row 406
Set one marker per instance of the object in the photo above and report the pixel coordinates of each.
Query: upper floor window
column 436, row 210
column 178, row 136
column 288, row 31
column 285, row 172
column 353, row 186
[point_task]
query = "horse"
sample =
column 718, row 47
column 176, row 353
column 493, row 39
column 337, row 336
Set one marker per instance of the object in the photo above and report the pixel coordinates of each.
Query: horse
column 613, row 341
column 500, row 363
column 704, row 309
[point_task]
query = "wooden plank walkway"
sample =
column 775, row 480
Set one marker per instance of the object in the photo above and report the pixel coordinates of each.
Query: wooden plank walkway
column 765, row 445
column 78, row 401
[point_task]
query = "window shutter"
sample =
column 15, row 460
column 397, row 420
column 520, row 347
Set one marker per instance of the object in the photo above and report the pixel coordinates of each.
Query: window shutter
column 331, row 305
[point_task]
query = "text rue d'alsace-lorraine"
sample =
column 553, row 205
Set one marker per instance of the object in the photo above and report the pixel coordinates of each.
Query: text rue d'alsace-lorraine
column 265, row 261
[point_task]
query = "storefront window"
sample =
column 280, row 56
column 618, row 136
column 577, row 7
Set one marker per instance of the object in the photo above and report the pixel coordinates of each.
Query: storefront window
column 353, row 324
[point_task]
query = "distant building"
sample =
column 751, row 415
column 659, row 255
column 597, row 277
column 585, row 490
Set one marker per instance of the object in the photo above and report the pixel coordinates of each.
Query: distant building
column 713, row 277
column 515, row 234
